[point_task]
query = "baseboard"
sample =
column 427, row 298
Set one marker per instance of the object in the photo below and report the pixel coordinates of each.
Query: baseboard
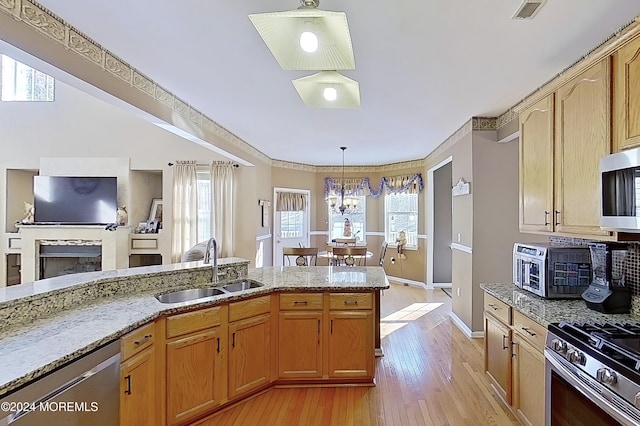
column 464, row 328
column 406, row 281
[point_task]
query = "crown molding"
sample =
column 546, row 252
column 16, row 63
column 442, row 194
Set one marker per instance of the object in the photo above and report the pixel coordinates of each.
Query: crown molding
column 484, row 123
column 43, row 21
column 404, row 165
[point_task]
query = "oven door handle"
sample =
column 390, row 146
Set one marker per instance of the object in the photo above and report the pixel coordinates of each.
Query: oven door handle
column 590, row 388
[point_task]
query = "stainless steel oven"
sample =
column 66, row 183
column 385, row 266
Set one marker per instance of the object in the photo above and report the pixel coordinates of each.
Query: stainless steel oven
column 586, row 385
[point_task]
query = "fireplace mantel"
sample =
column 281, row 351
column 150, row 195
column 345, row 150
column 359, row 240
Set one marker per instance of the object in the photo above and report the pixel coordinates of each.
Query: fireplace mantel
column 115, row 249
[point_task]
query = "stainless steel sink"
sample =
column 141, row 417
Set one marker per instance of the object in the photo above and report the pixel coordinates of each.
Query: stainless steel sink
column 242, row 285
column 189, row 294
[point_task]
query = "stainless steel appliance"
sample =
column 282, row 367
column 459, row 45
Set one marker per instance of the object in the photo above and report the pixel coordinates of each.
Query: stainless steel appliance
column 550, row 271
column 84, row 392
column 592, row 374
column 607, row 292
column 620, row 192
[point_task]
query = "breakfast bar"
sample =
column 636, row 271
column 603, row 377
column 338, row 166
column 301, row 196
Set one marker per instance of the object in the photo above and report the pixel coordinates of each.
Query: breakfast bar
column 51, row 324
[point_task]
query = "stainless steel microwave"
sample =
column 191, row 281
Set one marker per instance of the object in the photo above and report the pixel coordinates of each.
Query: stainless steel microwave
column 620, row 191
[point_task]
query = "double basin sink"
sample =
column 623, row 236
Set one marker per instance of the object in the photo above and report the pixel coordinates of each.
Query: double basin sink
column 204, row 292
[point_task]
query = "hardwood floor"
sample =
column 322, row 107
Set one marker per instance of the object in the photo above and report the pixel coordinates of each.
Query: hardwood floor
column 431, row 374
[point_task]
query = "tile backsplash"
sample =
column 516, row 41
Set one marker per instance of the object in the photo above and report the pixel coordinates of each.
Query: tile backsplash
column 630, row 265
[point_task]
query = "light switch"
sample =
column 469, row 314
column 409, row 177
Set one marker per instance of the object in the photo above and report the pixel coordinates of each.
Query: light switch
column 458, row 237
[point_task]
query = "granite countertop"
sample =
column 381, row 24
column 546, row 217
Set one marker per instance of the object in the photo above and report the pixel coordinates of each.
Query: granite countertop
column 547, row 311
column 31, row 347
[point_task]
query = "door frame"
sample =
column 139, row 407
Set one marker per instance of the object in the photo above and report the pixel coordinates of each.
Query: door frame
column 307, row 218
column 431, row 219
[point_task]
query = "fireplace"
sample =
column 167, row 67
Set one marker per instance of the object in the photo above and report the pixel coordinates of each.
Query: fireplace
column 56, row 260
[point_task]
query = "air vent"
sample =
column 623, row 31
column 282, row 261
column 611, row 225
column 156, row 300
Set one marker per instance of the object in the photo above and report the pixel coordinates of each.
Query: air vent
column 529, row 9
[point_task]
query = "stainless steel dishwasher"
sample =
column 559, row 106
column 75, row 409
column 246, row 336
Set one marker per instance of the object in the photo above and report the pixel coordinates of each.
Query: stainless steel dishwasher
column 84, row 392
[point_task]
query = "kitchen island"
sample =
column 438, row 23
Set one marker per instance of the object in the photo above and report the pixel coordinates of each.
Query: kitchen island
column 51, row 323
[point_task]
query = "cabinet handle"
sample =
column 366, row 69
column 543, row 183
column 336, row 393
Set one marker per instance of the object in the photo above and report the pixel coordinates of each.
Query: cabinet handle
column 492, row 306
column 526, row 330
column 233, row 340
column 318, row 326
column 350, row 302
column 303, row 302
column 218, row 345
column 504, row 344
column 546, row 218
column 143, row 340
column 127, row 391
column 513, row 349
column 556, row 213
column 331, row 326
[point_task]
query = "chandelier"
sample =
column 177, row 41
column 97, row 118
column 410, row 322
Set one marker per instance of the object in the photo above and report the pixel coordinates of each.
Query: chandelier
column 348, row 204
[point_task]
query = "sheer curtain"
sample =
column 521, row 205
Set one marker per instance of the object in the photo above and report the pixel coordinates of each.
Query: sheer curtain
column 185, row 209
column 222, row 206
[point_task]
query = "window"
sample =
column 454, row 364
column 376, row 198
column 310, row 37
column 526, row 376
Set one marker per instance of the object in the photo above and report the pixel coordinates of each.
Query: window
column 20, row 82
column 292, row 224
column 204, row 203
column 336, row 222
column 401, row 214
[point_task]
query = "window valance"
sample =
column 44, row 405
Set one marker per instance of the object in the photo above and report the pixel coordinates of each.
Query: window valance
column 291, row 201
column 410, row 184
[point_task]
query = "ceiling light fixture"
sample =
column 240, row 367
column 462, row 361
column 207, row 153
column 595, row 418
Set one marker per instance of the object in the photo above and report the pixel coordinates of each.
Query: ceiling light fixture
column 330, row 93
column 318, row 89
column 348, row 204
column 291, row 36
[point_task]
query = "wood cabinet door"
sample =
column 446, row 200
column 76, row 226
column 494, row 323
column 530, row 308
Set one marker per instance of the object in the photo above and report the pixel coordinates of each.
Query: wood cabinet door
column 249, row 354
column 497, row 355
column 299, row 344
column 138, row 389
column 626, row 96
column 528, row 382
column 536, row 166
column 195, row 375
column 582, row 138
column 351, row 344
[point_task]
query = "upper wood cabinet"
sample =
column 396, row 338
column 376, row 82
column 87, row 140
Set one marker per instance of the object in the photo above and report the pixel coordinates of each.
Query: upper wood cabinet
column 536, row 166
column 582, row 138
column 626, row 96
column 562, row 138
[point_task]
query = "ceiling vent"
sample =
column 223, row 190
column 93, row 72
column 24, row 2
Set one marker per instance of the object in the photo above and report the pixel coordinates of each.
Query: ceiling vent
column 529, row 9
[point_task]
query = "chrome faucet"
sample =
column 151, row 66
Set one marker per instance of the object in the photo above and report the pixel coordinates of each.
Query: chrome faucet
column 212, row 245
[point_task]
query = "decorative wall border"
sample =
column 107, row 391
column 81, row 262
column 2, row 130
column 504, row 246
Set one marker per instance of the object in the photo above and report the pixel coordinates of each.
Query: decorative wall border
column 50, row 25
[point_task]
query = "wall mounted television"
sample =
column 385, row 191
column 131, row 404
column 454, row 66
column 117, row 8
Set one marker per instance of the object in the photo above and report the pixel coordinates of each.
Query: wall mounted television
column 75, row 200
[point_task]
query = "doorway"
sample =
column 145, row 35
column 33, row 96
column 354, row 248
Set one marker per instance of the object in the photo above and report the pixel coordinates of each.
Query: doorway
column 290, row 227
column 440, row 226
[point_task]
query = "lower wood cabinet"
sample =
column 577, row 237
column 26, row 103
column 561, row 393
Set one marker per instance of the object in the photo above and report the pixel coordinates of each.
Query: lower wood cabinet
column 300, row 344
column 497, row 359
column 249, row 354
column 185, row 366
column 195, row 375
column 196, row 363
column 514, row 360
column 138, row 378
column 138, row 389
column 528, row 382
column 351, row 344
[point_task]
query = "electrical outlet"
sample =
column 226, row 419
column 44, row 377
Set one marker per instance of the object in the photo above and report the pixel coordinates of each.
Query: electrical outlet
column 458, row 292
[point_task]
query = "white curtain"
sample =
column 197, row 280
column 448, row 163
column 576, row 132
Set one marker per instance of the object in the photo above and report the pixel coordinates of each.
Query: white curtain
column 185, row 209
column 222, row 206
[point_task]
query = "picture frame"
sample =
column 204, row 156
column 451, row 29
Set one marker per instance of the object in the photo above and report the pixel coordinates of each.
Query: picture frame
column 264, row 205
column 155, row 214
column 152, row 227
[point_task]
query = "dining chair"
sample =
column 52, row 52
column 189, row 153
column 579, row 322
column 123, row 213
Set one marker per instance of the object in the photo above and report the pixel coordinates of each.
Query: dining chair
column 346, row 242
column 350, row 256
column 299, row 256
